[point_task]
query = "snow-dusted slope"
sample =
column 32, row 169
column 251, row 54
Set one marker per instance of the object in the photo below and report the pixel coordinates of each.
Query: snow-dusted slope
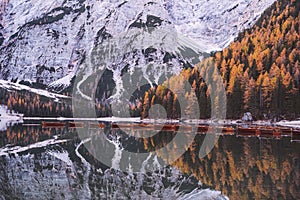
column 18, row 87
column 214, row 23
column 46, row 41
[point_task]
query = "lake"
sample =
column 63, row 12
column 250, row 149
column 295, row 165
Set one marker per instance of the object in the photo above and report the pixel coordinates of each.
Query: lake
column 74, row 162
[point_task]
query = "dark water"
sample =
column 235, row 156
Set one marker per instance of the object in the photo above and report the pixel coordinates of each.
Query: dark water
column 53, row 163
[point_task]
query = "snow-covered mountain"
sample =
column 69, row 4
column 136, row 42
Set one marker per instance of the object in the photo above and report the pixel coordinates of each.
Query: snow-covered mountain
column 47, row 41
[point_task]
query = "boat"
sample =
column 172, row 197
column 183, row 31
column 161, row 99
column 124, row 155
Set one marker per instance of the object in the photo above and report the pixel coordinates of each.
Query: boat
column 76, row 125
column 169, row 127
column 219, row 130
column 248, row 131
column 228, row 130
column 277, row 132
column 114, row 126
column 142, row 127
column 53, row 124
column 202, row 129
column 164, row 127
column 184, row 128
column 96, row 125
column 268, row 132
column 122, row 125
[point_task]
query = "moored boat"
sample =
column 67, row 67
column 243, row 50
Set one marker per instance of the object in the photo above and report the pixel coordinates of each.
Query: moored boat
column 164, row 127
column 270, row 132
column 248, row 131
column 53, row 124
column 142, row 127
column 96, row 125
column 202, row 129
column 266, row 131
column 277, row 132
column 114, row 126
column 123, row 125
column 76, row 125
column 228, row 130
column 169, row 127
column 184, row 128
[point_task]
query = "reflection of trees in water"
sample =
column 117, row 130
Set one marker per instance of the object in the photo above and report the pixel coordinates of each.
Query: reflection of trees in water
column 239, row 167
column 56, row 171
column 19, row 135
column 247, row 167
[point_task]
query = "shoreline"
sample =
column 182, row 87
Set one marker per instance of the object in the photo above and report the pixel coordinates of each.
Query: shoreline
column 19, row 118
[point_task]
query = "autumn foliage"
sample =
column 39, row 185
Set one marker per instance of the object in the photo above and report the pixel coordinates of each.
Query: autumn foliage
column 260, row 71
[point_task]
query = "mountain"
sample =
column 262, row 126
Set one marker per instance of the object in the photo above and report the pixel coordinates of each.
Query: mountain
column 260, row 70
column 47, row 42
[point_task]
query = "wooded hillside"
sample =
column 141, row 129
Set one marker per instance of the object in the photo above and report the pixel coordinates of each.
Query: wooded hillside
column 260, row 70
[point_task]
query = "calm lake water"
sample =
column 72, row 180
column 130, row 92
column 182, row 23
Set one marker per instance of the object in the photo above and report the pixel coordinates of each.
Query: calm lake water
column 55, row 163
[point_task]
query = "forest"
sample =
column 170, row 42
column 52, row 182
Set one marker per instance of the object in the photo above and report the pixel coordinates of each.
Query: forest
column 260, row 71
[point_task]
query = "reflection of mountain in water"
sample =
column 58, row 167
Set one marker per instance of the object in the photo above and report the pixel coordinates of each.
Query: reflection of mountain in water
column 239, row 167
column 53, row 165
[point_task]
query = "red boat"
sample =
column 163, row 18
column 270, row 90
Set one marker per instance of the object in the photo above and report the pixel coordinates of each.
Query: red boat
column 164, row 127
column 76, row 125
column 96, row 125
column 202, row 129
column 169, row 127
column 248, row 131
column 53, row 124
column 228, row 130
column 114, row 126
column 141, row 126
column 277, row 132
column 184, row 128
column 266, row 132
column 124, row 125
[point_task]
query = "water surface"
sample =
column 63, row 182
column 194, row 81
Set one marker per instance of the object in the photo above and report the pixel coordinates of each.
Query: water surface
column 54, row 163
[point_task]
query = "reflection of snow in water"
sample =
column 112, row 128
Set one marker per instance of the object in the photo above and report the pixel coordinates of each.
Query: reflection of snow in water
column 113, row 183
column 110, row 183
column 17, row 149
column 204, row 194
column 118, row 154
column 63, row 156
column 87, row 166
column 8, row 118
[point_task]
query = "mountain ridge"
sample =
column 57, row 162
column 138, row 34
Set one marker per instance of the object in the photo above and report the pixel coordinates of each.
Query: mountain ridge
column 44, row 42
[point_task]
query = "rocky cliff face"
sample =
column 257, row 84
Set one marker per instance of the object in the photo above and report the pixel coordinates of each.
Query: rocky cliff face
column 47, row 41
column 61, row 168
column 42, row 176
